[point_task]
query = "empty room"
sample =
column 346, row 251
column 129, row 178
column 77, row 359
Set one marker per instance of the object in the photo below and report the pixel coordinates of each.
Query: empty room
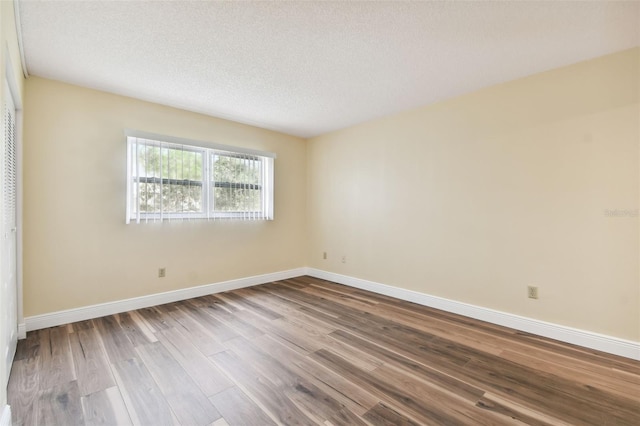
column 251, row 213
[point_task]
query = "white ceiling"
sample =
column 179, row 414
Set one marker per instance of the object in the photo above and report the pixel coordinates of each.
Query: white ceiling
column 307, row 68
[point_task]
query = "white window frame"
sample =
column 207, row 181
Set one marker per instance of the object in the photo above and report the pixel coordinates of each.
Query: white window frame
column 208, row 150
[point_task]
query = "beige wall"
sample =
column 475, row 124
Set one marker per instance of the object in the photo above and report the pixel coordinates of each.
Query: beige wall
column 78, row 250
column 9, row 60
column 471, row 199
column 477, row 197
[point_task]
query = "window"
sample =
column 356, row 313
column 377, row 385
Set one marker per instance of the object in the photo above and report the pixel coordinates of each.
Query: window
column 170, row 178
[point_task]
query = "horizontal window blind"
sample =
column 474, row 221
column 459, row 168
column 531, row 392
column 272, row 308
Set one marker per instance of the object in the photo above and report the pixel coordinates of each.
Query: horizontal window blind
column 170, row 180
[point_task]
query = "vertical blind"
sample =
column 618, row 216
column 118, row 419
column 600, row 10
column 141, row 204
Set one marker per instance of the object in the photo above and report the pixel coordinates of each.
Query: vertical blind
column 9, row 184
column 177, row 179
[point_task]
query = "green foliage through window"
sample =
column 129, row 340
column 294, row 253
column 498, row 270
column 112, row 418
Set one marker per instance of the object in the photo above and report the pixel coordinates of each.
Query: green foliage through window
column 170, row 180
column 237, row 185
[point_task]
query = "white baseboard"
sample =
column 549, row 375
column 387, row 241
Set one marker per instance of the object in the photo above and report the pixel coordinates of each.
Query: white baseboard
column 22, row 331
column 5, row 420
column 587, row 339
column 53, row 319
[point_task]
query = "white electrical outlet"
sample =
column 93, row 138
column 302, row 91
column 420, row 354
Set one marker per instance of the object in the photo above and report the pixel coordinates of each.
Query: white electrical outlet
column 162, row 272
column 532, row 292
column 343, row 259
column 324, row 255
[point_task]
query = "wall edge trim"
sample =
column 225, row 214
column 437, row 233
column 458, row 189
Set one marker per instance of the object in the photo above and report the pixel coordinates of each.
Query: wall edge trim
column 22, row 331
column 67, row 316
column 5, row 420
column 586, row 339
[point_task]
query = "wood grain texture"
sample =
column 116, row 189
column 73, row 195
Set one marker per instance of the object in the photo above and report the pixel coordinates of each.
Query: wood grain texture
column 186, row 399
column 269, row 396
column 208, row 377
column 383, row 415
column 239, row 410
column 136, row 329
column 141, row 394
column 306, row 351
column 55, row 357
column 90, row 360
column 207, row 342
column 60, row 405
column 115, row 339
column 24, row 390
column 105, row 407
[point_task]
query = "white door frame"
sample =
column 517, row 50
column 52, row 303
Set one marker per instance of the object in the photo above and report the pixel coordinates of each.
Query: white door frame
column 9, row 252
column 12, row 82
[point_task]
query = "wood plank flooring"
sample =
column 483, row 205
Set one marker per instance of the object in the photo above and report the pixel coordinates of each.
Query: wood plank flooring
column 310, row 352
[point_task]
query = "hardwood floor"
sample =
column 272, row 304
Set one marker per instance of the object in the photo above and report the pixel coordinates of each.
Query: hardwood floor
column 306, row 351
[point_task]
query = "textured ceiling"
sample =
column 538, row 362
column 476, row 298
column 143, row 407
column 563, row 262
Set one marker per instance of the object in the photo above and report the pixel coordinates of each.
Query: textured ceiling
column 306, row 68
